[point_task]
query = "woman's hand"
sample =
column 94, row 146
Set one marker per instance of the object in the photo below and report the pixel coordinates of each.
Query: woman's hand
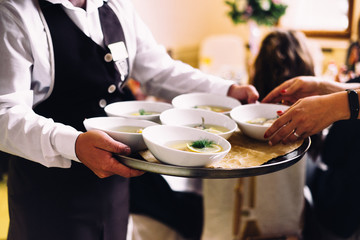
column 292, row 90
column 308, row 116
column 244, row 93
column 304, row 86
column 95, row 150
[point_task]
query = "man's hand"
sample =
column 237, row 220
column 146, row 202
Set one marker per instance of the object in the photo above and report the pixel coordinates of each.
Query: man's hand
column 244, row 93
column 95, row 150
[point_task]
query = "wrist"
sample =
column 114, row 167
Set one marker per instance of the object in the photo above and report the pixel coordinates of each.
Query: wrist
column 232, row 90
column 327, row 87
column 338, row 106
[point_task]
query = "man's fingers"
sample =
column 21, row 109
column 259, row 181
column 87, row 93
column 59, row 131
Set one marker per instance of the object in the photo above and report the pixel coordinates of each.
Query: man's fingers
column 95, row 149
column 110, row 145
column 120, row 169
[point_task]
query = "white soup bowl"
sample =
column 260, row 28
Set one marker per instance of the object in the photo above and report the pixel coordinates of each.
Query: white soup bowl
column 127, row 109
column 110, row 125
column 193, row 100
column 158, row 137
column 244, row 113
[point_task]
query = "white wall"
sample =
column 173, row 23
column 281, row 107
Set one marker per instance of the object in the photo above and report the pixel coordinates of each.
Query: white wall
column 177, row 23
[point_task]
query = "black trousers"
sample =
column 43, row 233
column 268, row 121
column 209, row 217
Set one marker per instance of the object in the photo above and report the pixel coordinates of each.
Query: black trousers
column 151, row 195
column 71, row 204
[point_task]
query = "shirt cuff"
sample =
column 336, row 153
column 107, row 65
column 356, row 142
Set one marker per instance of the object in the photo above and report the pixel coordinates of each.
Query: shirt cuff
column 221, row 86
column 64, row 142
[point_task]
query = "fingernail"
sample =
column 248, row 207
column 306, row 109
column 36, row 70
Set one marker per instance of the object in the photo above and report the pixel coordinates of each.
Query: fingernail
column 265, row 135
column 283, row 91
column 279, row 112
column 270, row 143
column 127, row 150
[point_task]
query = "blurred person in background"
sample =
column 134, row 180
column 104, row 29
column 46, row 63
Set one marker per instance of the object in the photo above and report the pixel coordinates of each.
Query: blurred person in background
column 283, row 54
column 353, row 56
column 351, row 68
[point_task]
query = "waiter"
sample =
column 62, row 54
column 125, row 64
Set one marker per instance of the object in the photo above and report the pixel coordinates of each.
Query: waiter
column 63, row 61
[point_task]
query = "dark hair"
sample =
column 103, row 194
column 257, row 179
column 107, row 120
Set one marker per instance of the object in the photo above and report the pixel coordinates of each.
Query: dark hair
column 283, row 55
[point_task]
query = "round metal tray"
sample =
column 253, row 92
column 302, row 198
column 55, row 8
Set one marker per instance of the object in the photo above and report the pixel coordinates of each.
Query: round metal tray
column 272, row 165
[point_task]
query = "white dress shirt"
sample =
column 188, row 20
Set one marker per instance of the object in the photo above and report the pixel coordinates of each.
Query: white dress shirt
column 27, row 74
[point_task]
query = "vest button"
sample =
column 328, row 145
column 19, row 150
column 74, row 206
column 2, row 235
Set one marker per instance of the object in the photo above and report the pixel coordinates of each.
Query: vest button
column 102, row 103
column 111, row 88
column 108, row 57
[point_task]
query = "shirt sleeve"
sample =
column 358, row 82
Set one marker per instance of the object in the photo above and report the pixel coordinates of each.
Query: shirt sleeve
column 164, row 77
column 22, row 131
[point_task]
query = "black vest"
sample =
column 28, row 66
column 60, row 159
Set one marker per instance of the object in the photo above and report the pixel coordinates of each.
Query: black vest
column 55, row 203
column 82, row 76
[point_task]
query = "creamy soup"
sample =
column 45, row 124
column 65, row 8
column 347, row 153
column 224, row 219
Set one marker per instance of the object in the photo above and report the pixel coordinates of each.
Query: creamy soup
column 210, row 128
column 262, row 121
column 128, row 129
column 213, row 108
column 143, row 112
column 201, row 146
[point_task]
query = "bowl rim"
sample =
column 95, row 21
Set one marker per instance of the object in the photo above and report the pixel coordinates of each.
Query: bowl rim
column 236, row 109
column 151, row 123
column 108, row 108
column 234, row 102
column 209, row 113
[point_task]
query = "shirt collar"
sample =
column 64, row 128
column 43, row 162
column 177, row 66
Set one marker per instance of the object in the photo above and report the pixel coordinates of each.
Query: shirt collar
column 91, row 5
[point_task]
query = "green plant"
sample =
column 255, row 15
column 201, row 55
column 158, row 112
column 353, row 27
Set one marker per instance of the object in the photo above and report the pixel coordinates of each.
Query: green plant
column 264, row 12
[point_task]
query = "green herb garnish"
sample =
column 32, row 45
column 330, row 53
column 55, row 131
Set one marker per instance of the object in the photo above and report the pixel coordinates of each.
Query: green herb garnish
column 142, row 112
column 202, row 144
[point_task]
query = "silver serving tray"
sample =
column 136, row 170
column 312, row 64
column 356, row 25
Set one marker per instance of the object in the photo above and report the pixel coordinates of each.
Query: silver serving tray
column 273, row 165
